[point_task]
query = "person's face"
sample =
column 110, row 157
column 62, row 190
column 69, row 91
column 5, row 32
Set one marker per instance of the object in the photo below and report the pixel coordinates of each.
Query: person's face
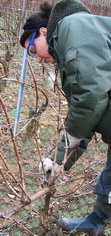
column 38, row 47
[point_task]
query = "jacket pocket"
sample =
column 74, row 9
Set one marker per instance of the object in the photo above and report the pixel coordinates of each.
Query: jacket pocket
column 71, row 55
column 71, row 66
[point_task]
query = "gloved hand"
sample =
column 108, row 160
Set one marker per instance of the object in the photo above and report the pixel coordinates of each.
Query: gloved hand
column 73, row 141
column 48, row 164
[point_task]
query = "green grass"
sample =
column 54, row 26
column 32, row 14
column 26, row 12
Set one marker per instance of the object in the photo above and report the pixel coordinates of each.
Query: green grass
column 28, row 143
column 4, row 207
column 17, row 233
column 108, row 230
column 33, row 224
column 90, row 200
column 102, row 147
column 27, row 167
column 74, row 206
column 24, row 213
column 11, row 85
column 65, row 189
column 29, row 181
column 38, row 203
column 27, row 153
column 88, row 154
column 2, row 194
column 80, row 168
column 31, row 188
column 98, row 168
column 66, row 214
column 82, row 202
column 84, row 210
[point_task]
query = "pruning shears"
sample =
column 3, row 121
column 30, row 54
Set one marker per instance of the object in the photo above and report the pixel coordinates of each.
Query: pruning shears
column 47, row 178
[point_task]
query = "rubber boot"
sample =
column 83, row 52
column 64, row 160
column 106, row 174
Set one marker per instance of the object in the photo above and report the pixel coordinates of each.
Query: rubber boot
column 93, row 224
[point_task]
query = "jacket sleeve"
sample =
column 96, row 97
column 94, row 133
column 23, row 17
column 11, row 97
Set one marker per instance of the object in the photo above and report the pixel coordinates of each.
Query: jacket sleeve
column 75, row 155
column 88, row 99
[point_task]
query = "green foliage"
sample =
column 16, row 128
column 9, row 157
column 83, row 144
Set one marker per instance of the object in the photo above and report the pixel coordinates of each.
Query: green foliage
column 77, row 213
column 11, row 85
column 84, row 210
column 27, row 143
column 15, row 92
column 65, row 189
column 66, row 214
column 2, row 85
column 33, row 224
column 9, row 155
column 29, row 181
column 24, row 213
column 98, row 168
column 80, row 168
column 88, row 154
column 32, row 188
column 90, row 200
column 17, row 233
column 11, row 160
column 4, row 207
column 28, row 89
column 108, row 230
column 47, row 133
column 82, row 201
column 74, row 206
column 31, row 96
column 102, row 147
column 38, row 203
column 27, row 153
column 27, row 167
column 2, row 194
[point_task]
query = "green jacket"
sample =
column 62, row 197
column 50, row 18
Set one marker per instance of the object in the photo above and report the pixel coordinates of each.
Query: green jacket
column 81, row 44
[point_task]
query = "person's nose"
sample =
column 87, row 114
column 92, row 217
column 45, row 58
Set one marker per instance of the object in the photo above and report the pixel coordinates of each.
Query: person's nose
column 39, row 59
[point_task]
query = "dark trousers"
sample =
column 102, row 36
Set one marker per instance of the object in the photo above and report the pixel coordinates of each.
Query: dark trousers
column 103, row 186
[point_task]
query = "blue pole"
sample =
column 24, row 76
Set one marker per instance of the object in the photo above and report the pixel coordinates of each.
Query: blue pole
column 20, row 93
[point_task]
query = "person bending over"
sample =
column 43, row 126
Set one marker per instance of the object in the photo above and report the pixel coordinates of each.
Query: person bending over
column 80, row 44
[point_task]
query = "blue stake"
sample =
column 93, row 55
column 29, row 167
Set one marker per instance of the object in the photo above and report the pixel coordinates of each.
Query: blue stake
column 21, row 90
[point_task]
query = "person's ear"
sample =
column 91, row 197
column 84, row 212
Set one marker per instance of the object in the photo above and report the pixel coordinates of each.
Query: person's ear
column 43, row 31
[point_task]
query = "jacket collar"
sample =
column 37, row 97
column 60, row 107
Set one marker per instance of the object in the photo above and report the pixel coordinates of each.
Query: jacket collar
column 60, row 10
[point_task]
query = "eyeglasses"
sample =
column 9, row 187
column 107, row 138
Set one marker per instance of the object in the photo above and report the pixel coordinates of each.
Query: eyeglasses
column 31, row 47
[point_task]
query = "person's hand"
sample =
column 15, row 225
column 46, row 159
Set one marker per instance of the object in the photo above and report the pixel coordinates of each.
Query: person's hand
column 73, row 141
column 47, row 164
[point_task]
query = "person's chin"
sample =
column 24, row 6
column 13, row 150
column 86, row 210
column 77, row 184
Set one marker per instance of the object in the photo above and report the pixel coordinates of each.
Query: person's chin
column 49, row 60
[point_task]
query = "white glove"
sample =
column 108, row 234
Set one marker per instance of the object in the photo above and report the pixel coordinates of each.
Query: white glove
column 73, row 141
column 48, row 164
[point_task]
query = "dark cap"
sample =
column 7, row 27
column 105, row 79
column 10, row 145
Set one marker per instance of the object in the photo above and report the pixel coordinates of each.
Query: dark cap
column 33, row 24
